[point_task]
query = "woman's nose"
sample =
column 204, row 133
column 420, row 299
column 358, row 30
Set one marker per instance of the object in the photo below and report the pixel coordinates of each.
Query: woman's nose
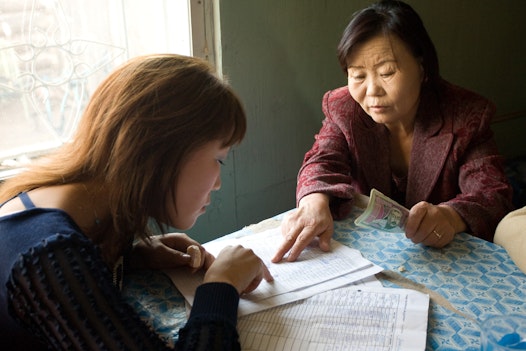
column 374, row 87
column 217, row 184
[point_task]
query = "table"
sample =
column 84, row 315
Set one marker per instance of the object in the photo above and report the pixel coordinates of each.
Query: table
column 468, row 280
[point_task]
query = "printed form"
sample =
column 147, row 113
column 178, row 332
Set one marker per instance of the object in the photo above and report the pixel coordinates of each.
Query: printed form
column 323, row 301
column 348, row 318
column 292, row 280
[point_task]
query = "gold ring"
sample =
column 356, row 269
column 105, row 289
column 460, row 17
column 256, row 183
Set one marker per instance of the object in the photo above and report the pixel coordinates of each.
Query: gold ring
column 437, row 234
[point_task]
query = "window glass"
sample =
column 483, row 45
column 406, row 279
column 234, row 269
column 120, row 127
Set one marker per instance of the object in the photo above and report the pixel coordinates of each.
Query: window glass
column 54, row 53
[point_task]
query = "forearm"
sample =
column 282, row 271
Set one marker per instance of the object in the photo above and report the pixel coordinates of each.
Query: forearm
column 213, row 319
column 481, row 216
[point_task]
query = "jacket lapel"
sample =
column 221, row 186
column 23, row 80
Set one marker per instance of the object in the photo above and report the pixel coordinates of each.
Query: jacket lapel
column 432, row 140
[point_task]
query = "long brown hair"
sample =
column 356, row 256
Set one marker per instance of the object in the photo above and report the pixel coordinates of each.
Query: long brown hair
column 140, row 125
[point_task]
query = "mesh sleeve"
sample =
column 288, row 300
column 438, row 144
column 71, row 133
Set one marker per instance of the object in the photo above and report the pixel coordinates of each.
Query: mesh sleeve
column 62, row 292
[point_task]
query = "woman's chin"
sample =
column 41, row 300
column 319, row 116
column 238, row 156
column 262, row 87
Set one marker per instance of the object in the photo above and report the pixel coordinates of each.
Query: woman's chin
column 189, row 222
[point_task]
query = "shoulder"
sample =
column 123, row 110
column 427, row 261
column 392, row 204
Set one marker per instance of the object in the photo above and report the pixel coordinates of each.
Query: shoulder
column 60, row 253
column 65, row 257
column 339, row 106
column 40, row 220
column 339, row 98
column 459, row 101
column 341, row 93
column 452, row 108
column 32, row 229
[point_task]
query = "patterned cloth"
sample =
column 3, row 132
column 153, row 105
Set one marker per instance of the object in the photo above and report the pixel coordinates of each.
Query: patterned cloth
column 468, row 281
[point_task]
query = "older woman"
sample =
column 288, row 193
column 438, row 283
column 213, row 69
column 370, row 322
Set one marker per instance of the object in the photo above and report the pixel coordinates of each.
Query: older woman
column 398, row 127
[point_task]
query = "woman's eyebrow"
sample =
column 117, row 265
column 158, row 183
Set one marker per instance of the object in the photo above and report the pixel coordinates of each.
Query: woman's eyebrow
column 374, row 66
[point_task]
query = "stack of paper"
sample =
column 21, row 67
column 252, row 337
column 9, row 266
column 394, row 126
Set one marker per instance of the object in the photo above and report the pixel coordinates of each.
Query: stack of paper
column 319, row 296
column 348, row 318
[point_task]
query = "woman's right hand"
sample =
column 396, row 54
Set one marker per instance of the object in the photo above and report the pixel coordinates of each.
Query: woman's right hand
column 240, row 267
column 311, row 219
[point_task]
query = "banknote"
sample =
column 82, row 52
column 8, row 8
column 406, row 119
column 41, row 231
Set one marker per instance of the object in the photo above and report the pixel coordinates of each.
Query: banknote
column 383, row 213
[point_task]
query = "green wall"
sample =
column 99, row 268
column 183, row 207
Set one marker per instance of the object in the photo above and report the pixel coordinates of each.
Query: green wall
column 280, row 57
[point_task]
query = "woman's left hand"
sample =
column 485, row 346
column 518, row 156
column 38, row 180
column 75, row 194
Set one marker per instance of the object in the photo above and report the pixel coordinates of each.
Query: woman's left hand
column 168, row 251
column 433, row 225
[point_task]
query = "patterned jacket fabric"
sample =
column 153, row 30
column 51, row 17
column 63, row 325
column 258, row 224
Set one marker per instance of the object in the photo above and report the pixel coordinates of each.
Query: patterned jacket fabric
column 454, row 158
column 57, row 293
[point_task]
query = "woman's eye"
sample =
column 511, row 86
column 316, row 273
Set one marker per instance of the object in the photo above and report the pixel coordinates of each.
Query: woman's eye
column 357, row 78
column 221, row 162
column 387, row 74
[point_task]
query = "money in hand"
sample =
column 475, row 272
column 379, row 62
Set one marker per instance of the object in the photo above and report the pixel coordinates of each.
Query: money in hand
column 383, row 213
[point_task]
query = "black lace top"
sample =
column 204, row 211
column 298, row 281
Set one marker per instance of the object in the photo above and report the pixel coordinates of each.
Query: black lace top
column 57, row 293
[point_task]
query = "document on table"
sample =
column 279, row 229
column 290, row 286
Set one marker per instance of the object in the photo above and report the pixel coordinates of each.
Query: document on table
column 315, row 271
column 348, row 318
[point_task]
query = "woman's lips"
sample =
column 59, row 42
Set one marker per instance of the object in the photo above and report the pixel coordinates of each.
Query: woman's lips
column 377, row 108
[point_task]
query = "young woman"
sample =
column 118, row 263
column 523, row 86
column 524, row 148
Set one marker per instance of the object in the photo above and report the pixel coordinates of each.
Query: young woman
column 149, row 146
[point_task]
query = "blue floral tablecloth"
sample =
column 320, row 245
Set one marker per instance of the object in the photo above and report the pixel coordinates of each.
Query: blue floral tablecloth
column 153, row 295
column 467, row 281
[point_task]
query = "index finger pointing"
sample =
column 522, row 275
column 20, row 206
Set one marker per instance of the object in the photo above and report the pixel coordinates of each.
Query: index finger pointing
column 302, row 241
column 282, row 250
column 287, row 243
column 266, row 274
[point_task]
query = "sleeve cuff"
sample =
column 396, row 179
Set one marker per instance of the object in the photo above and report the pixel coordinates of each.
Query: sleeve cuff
column 217, row 301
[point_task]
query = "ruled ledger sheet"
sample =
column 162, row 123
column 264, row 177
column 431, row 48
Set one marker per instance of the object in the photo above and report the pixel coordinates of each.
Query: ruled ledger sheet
column 348, row 318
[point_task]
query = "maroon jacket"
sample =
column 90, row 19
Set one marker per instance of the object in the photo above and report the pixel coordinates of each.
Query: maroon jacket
column 454, row 159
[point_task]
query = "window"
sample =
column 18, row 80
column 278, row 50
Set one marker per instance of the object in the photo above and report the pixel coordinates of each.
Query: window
column 54, row 53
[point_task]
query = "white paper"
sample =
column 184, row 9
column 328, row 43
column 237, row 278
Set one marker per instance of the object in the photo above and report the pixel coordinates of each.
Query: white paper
column 349, row 318
column 247, row 305
column 324, row 301
column 312, row 267
column 292, row 280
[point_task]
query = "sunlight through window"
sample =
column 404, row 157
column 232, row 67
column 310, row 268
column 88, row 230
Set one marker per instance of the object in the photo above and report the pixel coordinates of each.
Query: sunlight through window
column 54, row 53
